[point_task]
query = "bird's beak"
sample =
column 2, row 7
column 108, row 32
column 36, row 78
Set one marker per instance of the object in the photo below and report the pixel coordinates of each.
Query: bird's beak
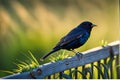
column 93, row 25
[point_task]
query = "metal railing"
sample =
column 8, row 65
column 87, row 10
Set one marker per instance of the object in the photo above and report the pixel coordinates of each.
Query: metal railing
column 91, row 60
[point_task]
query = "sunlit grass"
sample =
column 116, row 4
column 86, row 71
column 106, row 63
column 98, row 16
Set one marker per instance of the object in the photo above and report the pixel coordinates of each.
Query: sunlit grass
column 103, row 43
column 27, row 66
column 59, row 56
column 23, row 66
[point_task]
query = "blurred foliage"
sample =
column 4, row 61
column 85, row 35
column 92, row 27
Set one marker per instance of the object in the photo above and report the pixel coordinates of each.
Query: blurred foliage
column 38, row 25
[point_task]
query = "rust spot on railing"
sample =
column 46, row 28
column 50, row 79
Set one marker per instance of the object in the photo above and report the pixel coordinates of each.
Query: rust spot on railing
column 67, row 63
column 39, row 71
column 32, row 74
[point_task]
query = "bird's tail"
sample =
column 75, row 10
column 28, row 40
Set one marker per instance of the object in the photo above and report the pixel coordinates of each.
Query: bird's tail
column 45, row 56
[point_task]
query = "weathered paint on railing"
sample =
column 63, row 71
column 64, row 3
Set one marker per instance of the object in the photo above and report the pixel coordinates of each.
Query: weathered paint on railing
column 90, row 56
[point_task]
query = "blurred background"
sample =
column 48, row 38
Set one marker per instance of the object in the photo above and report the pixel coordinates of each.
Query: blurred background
column 37, row 25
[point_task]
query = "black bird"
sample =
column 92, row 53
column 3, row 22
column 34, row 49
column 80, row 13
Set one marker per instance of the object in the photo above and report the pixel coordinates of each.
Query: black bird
column 74, row 39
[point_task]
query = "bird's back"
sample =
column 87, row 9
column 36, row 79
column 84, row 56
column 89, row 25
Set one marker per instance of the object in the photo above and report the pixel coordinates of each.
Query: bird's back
column 74, row 39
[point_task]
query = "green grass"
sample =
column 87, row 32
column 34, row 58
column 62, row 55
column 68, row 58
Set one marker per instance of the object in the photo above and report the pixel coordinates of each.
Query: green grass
column 59, row 56
column 24, row 66
column 103, row 43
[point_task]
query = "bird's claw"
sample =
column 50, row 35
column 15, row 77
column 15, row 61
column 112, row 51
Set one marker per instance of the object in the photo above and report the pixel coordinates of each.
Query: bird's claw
column 79, row 55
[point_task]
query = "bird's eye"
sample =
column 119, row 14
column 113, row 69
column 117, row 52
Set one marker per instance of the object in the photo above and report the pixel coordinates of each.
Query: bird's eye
column 90, row 24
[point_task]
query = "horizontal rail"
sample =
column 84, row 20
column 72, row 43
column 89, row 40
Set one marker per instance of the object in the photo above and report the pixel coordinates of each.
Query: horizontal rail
column 90, row 56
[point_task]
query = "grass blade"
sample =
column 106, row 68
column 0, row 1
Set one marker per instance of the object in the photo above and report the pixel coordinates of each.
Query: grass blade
column 106, row 75
column 33, row 58
column 110, row 62
column 89, row 70
column 82, row 73
column 100, row 71
column 66, row 76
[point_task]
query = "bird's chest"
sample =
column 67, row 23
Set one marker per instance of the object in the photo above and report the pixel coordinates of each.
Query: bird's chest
column 84, row 38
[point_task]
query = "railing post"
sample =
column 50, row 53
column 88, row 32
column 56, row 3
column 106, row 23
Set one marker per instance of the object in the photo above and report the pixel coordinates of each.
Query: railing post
column 118, row 66
column 49, row 77
column 76, row 75
column 98, row 64
column 60, row 75
column 92, row 70
column 83, row 67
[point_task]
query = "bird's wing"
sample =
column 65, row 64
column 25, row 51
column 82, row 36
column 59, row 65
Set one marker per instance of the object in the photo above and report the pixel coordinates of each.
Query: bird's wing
column 67, row 39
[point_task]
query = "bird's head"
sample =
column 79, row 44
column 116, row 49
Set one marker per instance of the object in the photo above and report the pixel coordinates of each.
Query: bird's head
column 87, row 25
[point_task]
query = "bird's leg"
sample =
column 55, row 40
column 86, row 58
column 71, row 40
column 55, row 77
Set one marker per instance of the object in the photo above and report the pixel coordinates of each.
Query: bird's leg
column 78, row 54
